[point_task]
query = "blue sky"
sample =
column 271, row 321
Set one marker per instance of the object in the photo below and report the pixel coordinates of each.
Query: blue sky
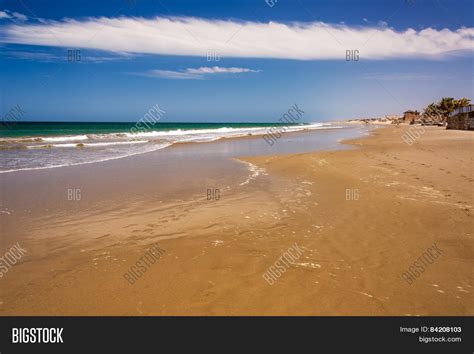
column 135, row 54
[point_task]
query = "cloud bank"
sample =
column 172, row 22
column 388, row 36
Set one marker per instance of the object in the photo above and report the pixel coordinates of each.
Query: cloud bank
column 189, row 36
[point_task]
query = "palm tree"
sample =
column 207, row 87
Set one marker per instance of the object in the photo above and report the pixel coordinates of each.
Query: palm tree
column 463, row 102
column 447, row 105
column 440, row 111
column 431, row 109
column 433, row 114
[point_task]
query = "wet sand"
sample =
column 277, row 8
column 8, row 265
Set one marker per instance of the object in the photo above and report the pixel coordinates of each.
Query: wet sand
column 402, row 199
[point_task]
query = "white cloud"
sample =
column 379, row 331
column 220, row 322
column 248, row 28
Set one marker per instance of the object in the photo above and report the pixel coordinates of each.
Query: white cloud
column 19, row 16
column 195, row 73
column 219, row 70
column 13, row 15
column 189, row 36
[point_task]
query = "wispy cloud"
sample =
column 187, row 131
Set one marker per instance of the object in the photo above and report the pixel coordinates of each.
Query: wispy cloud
column 190, row 36
column 399, row 76
column 195, row 73
column 38, row 56
column 19, row 16
column 58, row 56
column 13, row 15
column 220, row 70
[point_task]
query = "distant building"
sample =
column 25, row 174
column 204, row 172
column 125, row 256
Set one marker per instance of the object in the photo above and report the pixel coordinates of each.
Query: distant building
column 411, row 116
column 462, row 118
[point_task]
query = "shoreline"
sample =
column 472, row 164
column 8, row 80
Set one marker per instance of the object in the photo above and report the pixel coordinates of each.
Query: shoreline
column 217, row 251
column 82, row 145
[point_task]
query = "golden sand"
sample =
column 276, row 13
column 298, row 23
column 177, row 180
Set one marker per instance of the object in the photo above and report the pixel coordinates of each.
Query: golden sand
column 362, row 217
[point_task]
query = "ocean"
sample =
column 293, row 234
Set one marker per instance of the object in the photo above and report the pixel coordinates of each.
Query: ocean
column 38, row 145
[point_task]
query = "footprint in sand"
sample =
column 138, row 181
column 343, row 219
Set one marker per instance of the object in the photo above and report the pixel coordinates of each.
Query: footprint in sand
column 460, row 288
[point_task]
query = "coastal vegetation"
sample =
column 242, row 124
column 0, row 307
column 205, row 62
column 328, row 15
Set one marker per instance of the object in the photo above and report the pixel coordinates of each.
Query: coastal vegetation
column 440, row 110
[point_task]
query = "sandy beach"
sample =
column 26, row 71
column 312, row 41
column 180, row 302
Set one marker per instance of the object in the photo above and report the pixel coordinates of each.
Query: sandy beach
column 361, row 216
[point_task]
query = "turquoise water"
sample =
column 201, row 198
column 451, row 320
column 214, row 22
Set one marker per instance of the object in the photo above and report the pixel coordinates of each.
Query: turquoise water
column 34, row 129
column 39, row 145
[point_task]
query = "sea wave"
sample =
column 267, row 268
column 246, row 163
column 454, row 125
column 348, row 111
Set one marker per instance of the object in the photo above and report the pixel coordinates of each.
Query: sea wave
column 28, row 153
column 175, row 135
column 74, row 145
column 56, row 165
column 64, row 138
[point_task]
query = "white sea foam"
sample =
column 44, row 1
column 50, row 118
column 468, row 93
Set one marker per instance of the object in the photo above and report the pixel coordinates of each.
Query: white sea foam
column 255, row 171
column 74, row 145
column 150, row 149
column 92, row 148
column 55, row 139
column 173, row 136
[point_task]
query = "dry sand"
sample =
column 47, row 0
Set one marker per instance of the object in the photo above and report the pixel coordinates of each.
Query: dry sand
column 217, row 251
